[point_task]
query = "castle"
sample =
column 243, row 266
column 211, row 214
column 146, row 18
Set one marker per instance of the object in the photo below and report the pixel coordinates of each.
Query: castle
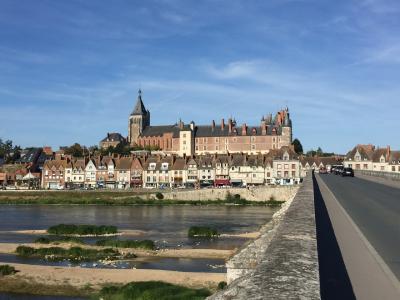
column 192, row 139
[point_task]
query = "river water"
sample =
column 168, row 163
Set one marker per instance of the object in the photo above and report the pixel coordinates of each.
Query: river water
column 166, row 225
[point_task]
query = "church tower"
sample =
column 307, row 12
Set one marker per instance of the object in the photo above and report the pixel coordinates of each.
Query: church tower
column 138, row 120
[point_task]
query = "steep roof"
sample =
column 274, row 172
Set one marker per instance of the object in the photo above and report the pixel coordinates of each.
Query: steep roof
column 123, row 163
column 139, row 107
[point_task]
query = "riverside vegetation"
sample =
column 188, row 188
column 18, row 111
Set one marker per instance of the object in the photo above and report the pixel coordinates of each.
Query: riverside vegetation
column 152, row 290
column 144, row 244
column 7, row 270
column 71, row 254
column 202, row 231
column 82, row 230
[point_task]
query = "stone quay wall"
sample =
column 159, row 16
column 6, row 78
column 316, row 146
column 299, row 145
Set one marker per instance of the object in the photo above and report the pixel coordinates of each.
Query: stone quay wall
column 281, row 193
column 283, row 262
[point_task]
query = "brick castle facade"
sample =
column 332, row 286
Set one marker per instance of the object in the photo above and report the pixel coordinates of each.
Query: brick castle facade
column 225, row 137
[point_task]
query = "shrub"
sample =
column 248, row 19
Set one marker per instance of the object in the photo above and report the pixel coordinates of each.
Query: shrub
column 7, row 270
column 159, row 196
column 58, row 239
column 70, row 229
column 152, row 290
column 202, row 231
column 222, row 285
column 145, row 244
column 235, row 199
column 272, row 198
column 25, row 250
column 73, row 253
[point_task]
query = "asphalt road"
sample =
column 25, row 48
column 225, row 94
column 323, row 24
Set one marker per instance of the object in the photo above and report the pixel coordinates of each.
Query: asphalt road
column 375, row 209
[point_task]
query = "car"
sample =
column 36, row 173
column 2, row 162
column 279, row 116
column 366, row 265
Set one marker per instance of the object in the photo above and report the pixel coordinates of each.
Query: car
column 338, row 170
column 347, row 172
column 322, row 171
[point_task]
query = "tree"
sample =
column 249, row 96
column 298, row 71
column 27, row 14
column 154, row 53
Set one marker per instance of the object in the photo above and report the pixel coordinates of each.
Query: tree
column 75, row 150
column 298, row 147
column 9, row 152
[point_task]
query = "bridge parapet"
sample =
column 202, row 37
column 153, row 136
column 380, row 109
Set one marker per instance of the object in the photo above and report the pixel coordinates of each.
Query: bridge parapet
column 283, row 262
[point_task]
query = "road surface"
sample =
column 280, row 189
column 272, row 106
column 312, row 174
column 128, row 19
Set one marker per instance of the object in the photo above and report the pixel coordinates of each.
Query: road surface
column 375, row 209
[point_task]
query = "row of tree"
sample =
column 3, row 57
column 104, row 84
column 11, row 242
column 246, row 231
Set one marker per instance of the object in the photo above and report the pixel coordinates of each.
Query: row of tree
column 78, row 150
column 298, row 148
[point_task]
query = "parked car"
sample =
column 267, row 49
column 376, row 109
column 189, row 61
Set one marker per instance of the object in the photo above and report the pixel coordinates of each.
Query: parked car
column 347, row 172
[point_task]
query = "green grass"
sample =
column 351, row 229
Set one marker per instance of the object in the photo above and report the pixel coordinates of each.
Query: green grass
column 202, row 231
column 152, row 290
column 7, row 270
column 71, row 229
column 72, row 254
column 58, row 239
column 145, row 244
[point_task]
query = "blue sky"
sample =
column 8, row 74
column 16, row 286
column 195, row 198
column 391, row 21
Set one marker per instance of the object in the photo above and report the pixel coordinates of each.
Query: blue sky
column 70, row 70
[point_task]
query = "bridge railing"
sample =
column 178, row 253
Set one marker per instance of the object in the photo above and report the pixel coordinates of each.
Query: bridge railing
column 382, row 174
column 283, row 262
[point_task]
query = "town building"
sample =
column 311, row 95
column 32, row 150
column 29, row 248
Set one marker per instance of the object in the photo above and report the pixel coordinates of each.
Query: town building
column 112, row 139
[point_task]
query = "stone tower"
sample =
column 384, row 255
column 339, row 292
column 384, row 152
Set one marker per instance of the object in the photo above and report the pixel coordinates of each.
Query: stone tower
column 286, row 138
column 138, row 120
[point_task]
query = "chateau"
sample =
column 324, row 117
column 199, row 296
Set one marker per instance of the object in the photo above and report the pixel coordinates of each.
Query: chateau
column 192, row 139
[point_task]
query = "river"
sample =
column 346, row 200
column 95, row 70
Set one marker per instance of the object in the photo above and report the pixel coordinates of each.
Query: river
column 166, row 225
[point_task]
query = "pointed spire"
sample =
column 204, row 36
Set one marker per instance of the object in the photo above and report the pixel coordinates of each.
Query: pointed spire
column 139, row 107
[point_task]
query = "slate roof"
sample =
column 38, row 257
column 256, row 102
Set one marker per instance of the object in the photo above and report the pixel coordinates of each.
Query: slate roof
column 160, row 130
column 217, row 131
column 113, row 136
column 139, row 109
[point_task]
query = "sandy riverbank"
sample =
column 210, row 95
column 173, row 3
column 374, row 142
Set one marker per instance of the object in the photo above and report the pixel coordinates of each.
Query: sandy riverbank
column 95, row 278
column 9, row 248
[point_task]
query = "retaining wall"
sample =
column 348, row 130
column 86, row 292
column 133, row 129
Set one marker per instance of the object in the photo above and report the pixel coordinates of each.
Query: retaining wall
column 282, row 193
column 283, row 262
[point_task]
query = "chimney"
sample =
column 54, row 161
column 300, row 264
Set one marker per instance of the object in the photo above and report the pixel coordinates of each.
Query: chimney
column 213, row 125
column 263, row 127
column 387, row 153
column 230, row 125
column 180, row 124
column 244, row 129
column 222, row 124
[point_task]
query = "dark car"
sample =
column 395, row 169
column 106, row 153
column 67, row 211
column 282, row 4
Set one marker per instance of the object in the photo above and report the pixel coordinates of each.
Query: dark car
column 348, row 172
column 339, row 170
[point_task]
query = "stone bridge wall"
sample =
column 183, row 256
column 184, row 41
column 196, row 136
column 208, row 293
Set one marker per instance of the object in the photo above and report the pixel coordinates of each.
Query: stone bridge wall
column 283, row 262
column 386, row 175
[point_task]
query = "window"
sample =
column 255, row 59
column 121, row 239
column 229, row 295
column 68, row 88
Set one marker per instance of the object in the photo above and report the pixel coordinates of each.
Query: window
column 365, row 166
column 293, row 173
column 253, row 147
column 217, row 140
column 268, row 174
column 204, row 147
column 184, row 142
column 286, row 166
column 382, row 168
column 293, row 166
column 279, row 166
column 393, row 168
column 184, row 135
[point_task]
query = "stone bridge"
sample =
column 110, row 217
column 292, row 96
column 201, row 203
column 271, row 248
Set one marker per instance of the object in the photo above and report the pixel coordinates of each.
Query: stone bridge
column 338, row 238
